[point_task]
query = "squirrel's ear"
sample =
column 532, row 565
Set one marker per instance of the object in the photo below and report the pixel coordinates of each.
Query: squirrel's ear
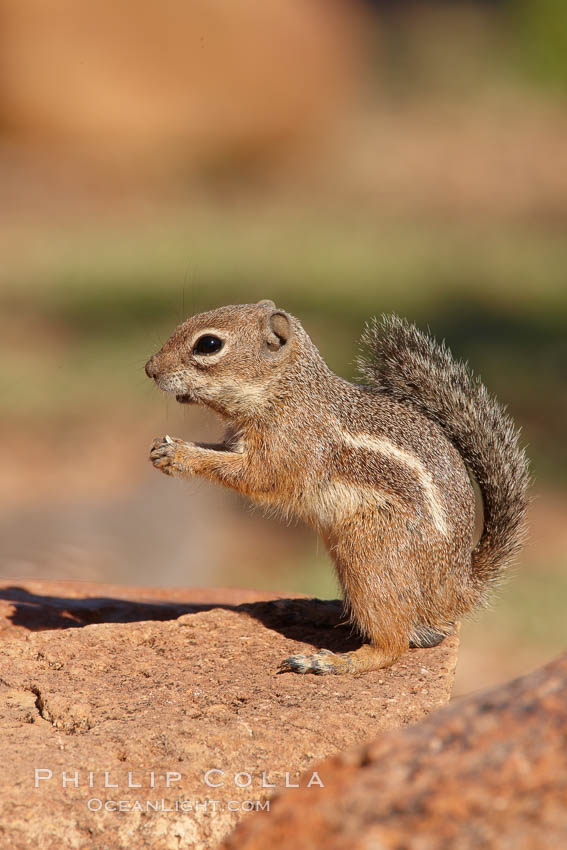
column 279, row 330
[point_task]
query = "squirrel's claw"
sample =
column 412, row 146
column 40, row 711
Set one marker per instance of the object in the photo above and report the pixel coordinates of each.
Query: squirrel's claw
column 321, row 663
column 162, row 454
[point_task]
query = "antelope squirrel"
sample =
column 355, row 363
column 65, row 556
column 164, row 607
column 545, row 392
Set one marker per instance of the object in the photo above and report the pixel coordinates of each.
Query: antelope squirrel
column 380, row 470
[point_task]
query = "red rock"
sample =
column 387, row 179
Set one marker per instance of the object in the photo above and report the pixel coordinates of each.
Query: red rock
column 487, row 772
column 180, row 682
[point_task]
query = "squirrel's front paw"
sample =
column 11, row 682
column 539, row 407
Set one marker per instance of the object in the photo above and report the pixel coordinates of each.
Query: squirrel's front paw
column 167, row 455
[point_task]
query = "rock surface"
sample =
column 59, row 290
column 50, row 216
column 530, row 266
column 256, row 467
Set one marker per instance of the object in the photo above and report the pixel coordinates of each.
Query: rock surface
column 489, row 771
column 138, row 689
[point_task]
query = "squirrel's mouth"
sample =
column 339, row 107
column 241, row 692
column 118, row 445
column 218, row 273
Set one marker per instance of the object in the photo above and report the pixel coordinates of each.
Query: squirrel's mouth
column 185, row 399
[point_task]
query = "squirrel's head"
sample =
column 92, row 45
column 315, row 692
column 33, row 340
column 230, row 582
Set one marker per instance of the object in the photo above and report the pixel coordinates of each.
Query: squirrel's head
column 227, row 358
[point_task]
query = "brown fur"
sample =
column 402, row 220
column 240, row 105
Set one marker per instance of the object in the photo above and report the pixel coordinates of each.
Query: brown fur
column 378, row 470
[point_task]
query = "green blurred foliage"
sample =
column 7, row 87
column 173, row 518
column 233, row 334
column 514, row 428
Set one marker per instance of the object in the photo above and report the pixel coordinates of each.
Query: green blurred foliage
column 499, row 298
column 542, row 37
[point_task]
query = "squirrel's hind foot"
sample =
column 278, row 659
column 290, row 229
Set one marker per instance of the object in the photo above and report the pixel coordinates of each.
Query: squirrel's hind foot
column 321, row 663
column 325, row 662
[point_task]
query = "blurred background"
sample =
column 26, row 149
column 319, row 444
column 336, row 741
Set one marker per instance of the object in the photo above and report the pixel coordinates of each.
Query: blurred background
column 341, row 158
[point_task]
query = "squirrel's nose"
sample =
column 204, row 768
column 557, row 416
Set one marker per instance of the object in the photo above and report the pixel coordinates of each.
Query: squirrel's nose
column 151, row 367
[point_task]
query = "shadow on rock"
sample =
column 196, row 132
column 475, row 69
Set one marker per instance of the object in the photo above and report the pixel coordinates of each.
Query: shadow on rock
column 319, row 622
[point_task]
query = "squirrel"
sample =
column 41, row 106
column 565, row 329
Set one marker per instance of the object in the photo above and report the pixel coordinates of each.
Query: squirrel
column 382, row 470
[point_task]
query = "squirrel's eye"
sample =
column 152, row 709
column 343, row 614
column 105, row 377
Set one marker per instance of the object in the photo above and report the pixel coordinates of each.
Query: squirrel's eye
column 207, row 344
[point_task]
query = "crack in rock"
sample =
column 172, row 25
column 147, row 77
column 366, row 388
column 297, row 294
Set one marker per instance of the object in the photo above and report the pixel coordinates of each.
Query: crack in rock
column 40, row 704
column 64, row 718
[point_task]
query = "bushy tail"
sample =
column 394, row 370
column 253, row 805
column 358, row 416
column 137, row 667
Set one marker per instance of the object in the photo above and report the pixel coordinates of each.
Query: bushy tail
column 406, row 364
